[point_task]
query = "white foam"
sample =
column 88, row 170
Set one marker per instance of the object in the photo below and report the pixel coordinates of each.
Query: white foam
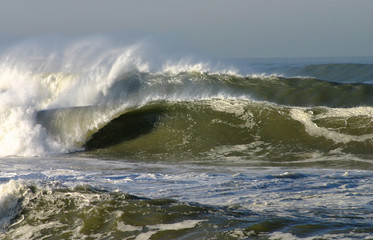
column 185, row 65
column 10, row 196
column 35, row 75
column 237, row 107
column 164, row 227
column 280, row 236
column 346, row 112
column 336, row 236
column 285, row 192
column 21, row 136
column 30, row 232
column 127, row 228
column 305, row 117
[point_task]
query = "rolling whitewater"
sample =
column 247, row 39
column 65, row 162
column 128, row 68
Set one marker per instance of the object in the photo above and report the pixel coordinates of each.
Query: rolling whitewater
column 105, row 141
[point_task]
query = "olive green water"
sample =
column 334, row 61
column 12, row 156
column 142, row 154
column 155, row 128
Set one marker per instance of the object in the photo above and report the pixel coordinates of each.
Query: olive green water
column 192, row 155
column 239, row 132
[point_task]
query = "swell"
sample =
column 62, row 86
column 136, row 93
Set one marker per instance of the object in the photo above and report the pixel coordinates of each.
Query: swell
column 174, row 98
column 301, row 91
column 305, row 91
column 224, row 130
column 337, row 72
column 346, row 70
column 55, row 96
column 207, row 116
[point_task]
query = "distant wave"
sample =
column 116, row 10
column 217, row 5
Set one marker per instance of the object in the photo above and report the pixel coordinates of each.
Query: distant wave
column 215, row 128
column 342, row 72
column 92, row 96
column 221, row 150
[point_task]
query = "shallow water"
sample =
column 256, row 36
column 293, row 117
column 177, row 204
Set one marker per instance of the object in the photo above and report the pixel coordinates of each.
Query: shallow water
column 82, row 197
column 117, row 144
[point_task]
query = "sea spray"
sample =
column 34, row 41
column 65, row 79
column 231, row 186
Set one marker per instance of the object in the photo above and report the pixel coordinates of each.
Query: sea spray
column 37, row 75
column 11, row 201
column 128, row 141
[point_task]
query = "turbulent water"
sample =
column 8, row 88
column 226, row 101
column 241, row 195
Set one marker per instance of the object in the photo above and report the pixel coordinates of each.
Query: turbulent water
column 100, row 141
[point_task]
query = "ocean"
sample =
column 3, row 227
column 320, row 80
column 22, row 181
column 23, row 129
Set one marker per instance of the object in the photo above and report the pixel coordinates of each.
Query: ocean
column 108, row 141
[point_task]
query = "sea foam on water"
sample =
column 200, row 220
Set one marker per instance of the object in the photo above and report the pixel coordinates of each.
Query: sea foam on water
column 11, row 196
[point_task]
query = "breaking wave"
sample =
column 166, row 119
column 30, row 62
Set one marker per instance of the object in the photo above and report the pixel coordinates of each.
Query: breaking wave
column 120, row 101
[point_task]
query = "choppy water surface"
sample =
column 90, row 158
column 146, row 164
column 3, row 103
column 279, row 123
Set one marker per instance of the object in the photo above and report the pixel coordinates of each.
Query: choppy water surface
column 100, row 142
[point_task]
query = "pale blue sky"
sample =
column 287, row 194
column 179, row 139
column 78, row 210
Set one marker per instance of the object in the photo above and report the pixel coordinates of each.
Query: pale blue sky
column 220, row 28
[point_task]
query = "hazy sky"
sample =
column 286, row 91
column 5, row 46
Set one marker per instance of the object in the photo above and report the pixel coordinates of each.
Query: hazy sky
column 221, row 28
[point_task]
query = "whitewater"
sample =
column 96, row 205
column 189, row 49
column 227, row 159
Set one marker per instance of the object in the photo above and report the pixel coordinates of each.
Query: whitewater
column 104, row 140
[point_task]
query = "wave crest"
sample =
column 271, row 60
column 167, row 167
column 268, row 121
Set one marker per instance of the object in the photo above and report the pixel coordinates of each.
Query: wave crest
column 45, row 92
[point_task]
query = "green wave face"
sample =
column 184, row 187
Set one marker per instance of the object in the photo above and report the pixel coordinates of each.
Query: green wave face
column 221, row 118
column 104, row 141
column 242, row 131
